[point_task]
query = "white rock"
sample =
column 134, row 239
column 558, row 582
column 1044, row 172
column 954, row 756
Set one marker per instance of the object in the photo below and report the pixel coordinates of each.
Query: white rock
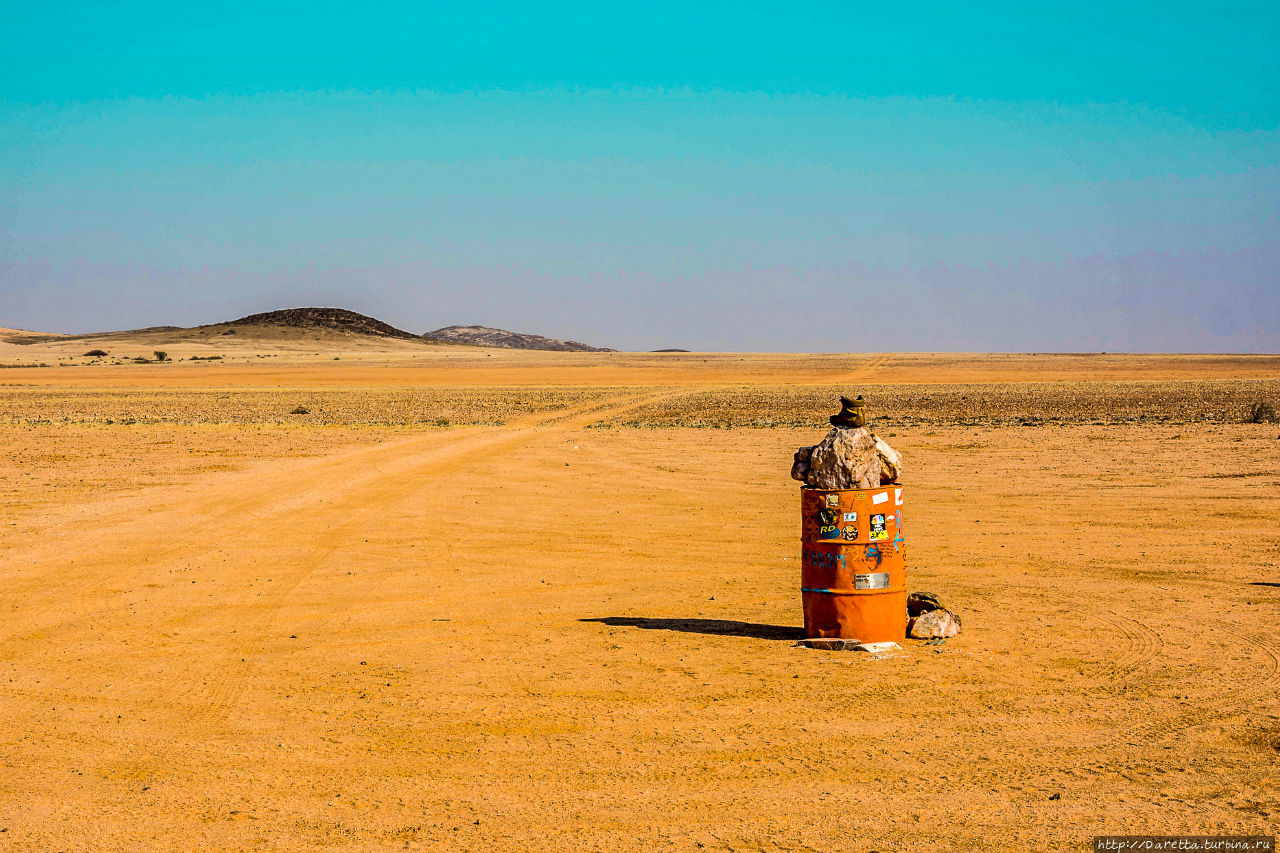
column 935, row 623
column 876, row 647
column 845, row 459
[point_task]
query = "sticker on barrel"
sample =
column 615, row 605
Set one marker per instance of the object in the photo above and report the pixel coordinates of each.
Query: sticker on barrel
column 878, row 529
column 827, row 526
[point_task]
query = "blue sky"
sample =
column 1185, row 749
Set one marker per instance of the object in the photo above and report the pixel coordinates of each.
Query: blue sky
column 719, row 176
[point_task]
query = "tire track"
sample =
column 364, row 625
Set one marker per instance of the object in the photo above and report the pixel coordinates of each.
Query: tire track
column 188, row 523
column 1141, row 646
column 860, row 373
column 1251, row 688
column 223, row 689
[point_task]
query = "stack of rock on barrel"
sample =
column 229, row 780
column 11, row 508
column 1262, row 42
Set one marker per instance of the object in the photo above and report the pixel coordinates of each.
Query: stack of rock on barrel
column 853, row 562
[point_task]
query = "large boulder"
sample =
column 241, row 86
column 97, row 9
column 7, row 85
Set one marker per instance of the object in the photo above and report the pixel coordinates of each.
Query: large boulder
column 845, row 459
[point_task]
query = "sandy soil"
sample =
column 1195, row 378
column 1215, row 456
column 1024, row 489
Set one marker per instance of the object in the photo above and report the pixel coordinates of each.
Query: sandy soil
column 545, row 636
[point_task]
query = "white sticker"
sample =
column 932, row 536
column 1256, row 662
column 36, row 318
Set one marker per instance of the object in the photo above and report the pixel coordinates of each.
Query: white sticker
column 897, row 497
column 850, row 516
column 880, row 498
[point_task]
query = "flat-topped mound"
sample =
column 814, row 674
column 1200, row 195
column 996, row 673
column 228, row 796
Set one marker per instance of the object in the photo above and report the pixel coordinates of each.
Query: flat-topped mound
column 485, row 336
column 330, row 319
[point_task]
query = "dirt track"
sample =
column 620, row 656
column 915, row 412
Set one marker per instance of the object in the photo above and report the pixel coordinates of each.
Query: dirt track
column 543, row 636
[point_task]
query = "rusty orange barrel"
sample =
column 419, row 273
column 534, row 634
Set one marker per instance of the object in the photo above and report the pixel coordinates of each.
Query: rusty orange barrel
column 853, row 576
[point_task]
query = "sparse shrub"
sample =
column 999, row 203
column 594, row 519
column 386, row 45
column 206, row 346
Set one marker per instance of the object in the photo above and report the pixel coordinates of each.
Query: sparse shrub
column 301, row 410
column 141, row 360
column 161, row 355
column 95, row 353
column 1261, row 412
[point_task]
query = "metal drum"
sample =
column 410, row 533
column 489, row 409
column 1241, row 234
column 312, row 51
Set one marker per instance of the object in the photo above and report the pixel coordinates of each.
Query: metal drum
column 853, row 577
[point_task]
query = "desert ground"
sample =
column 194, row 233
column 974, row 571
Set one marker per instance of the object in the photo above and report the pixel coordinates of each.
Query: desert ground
column 329, row 593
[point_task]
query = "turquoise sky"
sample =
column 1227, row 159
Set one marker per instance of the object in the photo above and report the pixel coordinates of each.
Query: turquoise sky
column 718, row 176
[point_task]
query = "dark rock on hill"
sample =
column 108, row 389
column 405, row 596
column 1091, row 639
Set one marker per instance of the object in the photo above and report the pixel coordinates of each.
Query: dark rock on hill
column 332, row 319
column 483, row 336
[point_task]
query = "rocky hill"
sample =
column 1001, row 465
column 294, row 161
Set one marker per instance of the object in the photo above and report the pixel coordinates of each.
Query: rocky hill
column 332, row 319
column 484, row 336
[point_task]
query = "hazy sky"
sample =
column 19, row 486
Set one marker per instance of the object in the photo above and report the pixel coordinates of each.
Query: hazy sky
column 734, row 176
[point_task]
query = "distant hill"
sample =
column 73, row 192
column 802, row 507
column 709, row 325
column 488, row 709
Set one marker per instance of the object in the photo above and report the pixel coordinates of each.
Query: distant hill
column 484, row 336
column 331, row 319
column 300, row 324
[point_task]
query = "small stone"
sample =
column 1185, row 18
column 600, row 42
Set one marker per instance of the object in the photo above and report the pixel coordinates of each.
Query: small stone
column 830, row 644
column 923, row 602
column 876, row 648
column 935, row 623
column 800, row 464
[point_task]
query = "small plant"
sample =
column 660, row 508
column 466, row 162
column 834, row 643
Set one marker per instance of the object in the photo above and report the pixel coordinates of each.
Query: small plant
column 161, row 355
column 301, row 410
column 95, row 353
column 141, row 360
column 1261, row 412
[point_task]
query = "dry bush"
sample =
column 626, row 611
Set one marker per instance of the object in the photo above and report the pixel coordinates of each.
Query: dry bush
column 1261, row 412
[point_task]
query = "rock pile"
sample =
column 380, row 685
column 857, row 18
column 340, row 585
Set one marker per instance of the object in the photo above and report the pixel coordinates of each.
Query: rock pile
column 850, row 457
